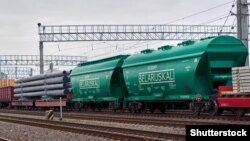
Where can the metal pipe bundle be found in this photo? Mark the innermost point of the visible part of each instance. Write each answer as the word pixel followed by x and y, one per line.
pixel 43 93
pixel 56 80
pixel 43 76
pixel 41 88
pixel 51 84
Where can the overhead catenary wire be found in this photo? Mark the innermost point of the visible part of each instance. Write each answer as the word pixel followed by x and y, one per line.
pixel 77 47
pixel 136 45
pixel 209 9
pixel 98 48
pixel 91 45
pixel 230 12
pixel 233 23
pixel 146 42
pixel 115 50
pixel 209 21
pixel 130 47
pixel 214 19
pixel 218 18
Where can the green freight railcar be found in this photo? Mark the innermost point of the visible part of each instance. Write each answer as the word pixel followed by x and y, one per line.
pixel 98 84
pixel 189 71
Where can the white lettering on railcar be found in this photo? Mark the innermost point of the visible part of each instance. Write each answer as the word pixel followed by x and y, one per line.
pixel 160 76
pixel 89 83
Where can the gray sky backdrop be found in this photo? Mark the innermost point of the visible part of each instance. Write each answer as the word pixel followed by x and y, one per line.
pixel 19 18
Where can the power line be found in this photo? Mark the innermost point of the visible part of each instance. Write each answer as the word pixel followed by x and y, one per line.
pixel 90 45
pixel 124 49
pixel 227 16
pixel 72 48
pixel 233 23
pixel 206 22
pixel 121 49
pixel 217 18
pixel 214 19
pixel 199 12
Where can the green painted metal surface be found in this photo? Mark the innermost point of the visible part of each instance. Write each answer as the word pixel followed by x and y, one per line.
pixel 99 80
pixel 182 72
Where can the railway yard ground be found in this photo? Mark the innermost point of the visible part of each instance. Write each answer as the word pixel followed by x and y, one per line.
pixel 25 125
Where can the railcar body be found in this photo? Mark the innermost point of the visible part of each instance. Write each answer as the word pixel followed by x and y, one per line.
pixel 190 71
pixel 6 96
pixel 98 84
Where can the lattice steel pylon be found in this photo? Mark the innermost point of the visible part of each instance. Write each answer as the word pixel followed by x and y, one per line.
pixel 15 72
pixel 68 33
pixel 72 33
pixel 27 60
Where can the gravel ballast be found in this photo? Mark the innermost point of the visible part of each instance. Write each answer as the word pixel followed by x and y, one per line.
pixel 16 132
pixel 173 130
pixel 29 133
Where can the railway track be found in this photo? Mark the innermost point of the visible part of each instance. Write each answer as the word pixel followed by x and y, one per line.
pixel 171 114
pixel 166 122
pixel 228 116
pixel 168 114
pixel 94 130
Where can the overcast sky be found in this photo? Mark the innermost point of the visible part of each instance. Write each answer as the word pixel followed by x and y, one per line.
pixel 19 18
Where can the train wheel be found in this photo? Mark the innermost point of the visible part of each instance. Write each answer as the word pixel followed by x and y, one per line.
pixel 99 107
pixel 122 110
pixel 145 108
pixel 80 106
pixel 152 109
pixel 238 112
pixel 196 108
pixel 93 106
pixel 130 110
pixel 133 109
pixel 76 106
pixel 214 109
pixel 162 108
pixel 197 111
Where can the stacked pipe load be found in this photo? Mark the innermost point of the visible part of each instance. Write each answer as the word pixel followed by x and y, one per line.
pixel 50 85
pixel 241 79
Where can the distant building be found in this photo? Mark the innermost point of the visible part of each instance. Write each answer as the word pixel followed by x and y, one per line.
pixel 3 75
